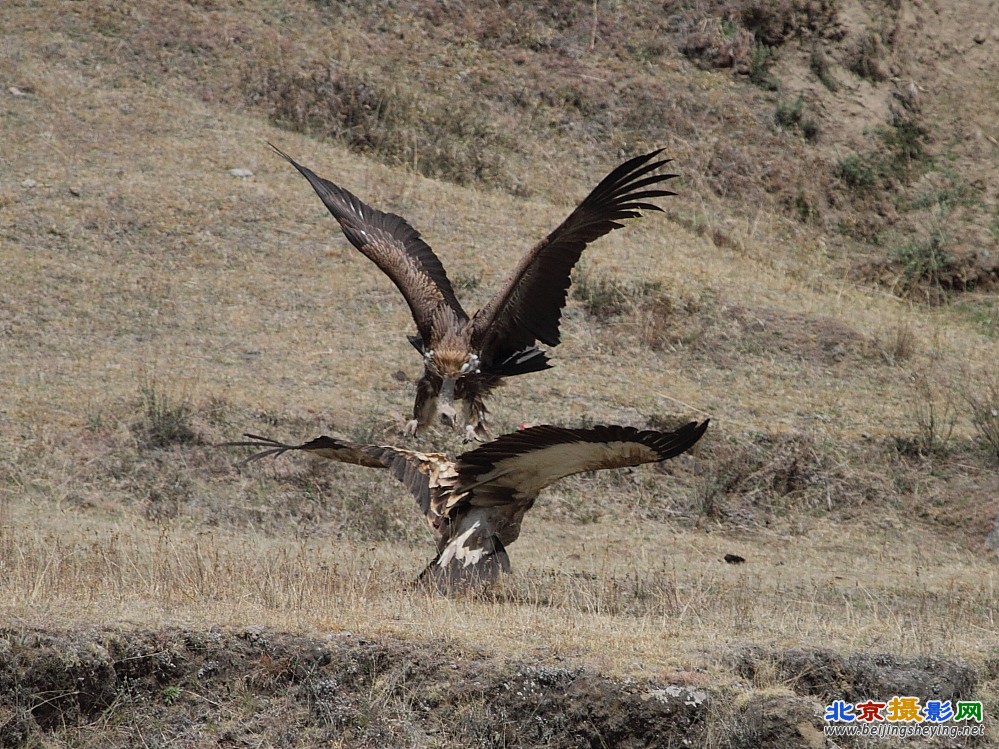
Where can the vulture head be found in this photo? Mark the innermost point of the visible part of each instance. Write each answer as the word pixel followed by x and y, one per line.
pixel 449 364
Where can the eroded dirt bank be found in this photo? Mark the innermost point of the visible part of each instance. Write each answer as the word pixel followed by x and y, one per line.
pixel 252 687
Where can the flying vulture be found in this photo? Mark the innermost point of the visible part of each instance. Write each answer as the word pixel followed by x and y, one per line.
pixel 464 358
pixel 474 505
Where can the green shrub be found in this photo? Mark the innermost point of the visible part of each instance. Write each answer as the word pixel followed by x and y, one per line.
pixel 759 68
pixel 819 65
pixel 858 172
pixel 790 115
pixel 923 262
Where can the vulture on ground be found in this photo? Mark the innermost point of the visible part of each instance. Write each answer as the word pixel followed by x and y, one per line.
pixel 475 505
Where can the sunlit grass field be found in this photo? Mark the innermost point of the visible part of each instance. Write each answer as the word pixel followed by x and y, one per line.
pixel 153 305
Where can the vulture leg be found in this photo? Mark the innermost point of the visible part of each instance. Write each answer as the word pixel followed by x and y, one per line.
pixel 424 407
pixel 473 409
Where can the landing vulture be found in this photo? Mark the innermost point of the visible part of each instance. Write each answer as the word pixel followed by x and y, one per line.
pixel 464 358
pixel 474 505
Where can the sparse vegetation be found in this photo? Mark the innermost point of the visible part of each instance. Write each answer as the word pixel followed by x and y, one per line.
pixel 759 68
pixel 906 142
pixel 859 173
pixel 324 99
pixel 899 345
pixel 165 420
pixel 604 298
pixel 903 155
pixel 923 265
pixel 790 115
pixel 983 400
pixel 818 62
pixel 935 414
pixel 866 57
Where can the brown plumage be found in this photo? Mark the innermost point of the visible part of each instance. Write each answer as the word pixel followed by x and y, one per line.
pixel 475 504
pixel 466 357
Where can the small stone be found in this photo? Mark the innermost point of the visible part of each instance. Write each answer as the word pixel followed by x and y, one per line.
pixel 240 172
pixel 75 191
pixel 15 91
pixel 992 540
pixel 29 183
pixel 980 37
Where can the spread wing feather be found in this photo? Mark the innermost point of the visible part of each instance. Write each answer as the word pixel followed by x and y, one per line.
pixel 412 469
pixel 528 307
pixel 324 447
pixel 393 245
pixel 533 458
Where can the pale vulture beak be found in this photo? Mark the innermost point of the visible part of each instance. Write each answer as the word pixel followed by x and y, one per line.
pixel 445 403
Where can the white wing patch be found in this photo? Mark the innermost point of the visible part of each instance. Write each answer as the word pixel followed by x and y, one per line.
pixel 457 548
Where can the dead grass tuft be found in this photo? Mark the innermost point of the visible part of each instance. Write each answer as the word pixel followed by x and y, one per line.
pixel 983 400
pixel 165 420
pixel 605 298
pixel 934 410
pixel 899 344
pixel 866 57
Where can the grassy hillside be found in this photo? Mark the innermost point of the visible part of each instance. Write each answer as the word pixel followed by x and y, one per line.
pixel 823 287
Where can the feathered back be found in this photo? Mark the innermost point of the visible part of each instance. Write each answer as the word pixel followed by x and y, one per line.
pixel 421 473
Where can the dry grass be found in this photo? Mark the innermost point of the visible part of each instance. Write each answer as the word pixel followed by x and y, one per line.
pixel 153 304
pixel 669 603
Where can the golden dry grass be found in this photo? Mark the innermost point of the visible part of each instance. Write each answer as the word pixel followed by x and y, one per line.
pixel 648 605
pixel 135 261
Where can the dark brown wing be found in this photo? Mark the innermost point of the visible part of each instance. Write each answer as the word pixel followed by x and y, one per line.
pixel 416 470
pixel 394 246
pixel 324 447
pixel 529 306
pixel 531 459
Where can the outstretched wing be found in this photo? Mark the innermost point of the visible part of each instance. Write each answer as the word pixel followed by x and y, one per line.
pixel 525 462
pixel 421 473
pixel 394 246
pixel 529 306
pixel 324 447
